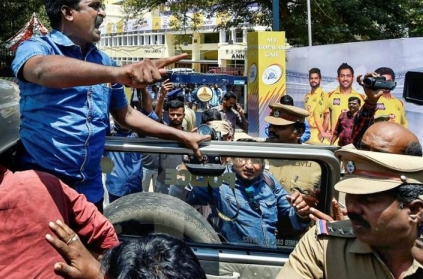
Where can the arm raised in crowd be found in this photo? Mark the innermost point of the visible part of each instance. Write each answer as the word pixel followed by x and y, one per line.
pixel 59 71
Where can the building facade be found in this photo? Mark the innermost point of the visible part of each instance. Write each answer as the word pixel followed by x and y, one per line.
pixel 154 36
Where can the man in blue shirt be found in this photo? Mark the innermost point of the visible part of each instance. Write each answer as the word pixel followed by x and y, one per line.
pixel 68 87
pixel 249 212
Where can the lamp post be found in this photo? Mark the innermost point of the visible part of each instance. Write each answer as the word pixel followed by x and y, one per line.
pixel 275 8
pixel 310 43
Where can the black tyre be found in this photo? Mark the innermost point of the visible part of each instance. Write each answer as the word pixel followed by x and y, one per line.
pixel 141 213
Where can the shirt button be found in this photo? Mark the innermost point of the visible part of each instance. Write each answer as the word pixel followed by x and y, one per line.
pixel 89 118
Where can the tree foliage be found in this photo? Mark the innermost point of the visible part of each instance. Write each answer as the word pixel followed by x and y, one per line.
pixel 14 14
pixel 332 21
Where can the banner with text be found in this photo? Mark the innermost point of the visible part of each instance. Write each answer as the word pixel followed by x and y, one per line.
pixel 266 76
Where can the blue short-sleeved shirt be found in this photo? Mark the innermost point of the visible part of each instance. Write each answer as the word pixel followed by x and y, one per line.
pixel 63 129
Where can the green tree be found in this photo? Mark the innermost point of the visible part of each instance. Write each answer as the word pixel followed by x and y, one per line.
pixel 332 21
pixel 14 14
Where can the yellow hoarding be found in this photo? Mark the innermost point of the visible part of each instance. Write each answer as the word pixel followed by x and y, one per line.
pixel 119 26
pixel 157 23
pixel 266 71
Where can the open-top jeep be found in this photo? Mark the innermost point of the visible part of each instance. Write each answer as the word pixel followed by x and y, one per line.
pixel 145 212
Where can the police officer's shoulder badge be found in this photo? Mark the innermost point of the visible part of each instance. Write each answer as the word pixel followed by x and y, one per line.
pixel 337 229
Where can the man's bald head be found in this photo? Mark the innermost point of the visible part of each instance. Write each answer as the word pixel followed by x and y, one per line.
pixel 389 137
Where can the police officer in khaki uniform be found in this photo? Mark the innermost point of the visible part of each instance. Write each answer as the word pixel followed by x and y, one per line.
pixel 287 126
pixel 382 198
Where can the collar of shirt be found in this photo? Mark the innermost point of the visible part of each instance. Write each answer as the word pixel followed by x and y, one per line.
pixel 61 39
pixel 318 91
pixel 338 91
pixel 359 247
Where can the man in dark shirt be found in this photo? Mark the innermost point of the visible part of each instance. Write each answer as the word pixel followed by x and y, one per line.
pixel 345 123
pixel 233 112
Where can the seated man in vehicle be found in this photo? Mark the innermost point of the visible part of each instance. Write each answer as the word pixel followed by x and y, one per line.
pixel 250 203
pixel 287 126
pixel 28 201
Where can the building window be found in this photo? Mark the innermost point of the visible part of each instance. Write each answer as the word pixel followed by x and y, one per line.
pixel 239 36
pixel 211 38
pixel 228 36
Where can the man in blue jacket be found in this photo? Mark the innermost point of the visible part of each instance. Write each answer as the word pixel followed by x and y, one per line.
pixel 249 209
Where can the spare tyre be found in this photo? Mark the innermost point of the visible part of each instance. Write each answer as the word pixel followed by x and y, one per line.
pixel 142 213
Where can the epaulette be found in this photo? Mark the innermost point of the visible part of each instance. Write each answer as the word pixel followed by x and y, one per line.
pixel 338 229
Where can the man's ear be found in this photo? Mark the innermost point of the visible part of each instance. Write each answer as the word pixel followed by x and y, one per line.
pixel 416 211
pixel 298 132
pixel 67 12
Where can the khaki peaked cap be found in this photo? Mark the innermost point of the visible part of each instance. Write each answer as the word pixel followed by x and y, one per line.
pixel 222 126
pixel 282 115
pixel 368 172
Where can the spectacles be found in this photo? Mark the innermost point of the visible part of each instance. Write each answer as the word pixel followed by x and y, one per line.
pixel 252 161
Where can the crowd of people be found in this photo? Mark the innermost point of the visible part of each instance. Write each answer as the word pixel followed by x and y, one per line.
pixel 71 92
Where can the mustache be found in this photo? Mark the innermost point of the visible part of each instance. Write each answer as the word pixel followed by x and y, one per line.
pixel 357 218
pixel 99 20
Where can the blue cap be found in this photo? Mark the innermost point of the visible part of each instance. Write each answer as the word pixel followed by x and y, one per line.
pixel 174 93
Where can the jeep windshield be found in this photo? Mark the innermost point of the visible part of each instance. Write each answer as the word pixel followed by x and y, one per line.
pixel 235 200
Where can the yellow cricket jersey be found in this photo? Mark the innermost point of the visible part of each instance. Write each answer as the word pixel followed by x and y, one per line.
pixel 316 102
pixel 338 103
pixel 392 107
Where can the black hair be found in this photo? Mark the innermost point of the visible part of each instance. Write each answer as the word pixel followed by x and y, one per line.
pixel 385 71
pixel 229 95
pixel 299 125
pixel 54 12
pixel 414 149
pixel 286 100
pixel 210 115
pixel 406 193
pixel 175 104
pixel 314 71
pixel 343 67
pixel 180 97
pixel 351 99
pixel 247 140
pixel 152 256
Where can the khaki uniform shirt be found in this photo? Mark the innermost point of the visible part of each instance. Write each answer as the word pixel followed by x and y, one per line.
pixel 334 254
pixel 295 175
pixel 189 120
